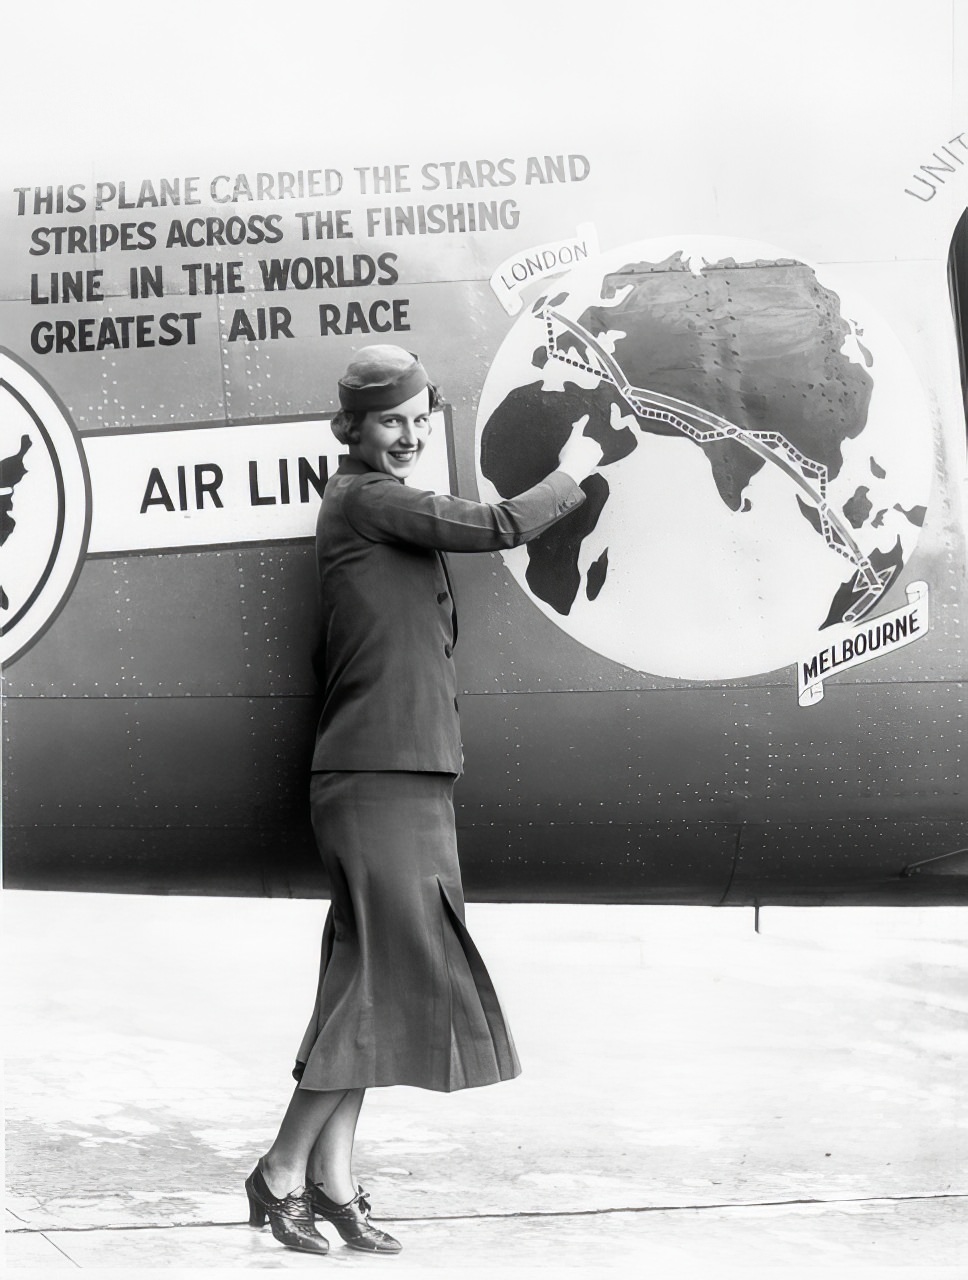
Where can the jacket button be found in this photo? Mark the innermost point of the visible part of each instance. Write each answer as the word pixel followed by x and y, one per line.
pixel 448 650
pixel 441 597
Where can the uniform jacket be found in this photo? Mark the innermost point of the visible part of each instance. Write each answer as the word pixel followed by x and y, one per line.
pixel 388 625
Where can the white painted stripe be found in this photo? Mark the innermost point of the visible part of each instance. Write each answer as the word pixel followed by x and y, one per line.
pixel 157 489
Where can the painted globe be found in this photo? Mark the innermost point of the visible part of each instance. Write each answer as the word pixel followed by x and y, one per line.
pixel 767 454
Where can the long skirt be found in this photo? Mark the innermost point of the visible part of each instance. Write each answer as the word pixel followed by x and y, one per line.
pixel 404 997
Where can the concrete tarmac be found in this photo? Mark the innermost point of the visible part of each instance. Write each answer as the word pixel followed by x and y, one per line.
pixel 697 1098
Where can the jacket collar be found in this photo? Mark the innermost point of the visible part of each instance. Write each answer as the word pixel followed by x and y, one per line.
pixel 352 466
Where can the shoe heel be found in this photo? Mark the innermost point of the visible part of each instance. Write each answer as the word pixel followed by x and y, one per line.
pixel 257 1212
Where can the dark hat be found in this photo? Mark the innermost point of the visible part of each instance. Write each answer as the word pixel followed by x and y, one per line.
pixel 380 377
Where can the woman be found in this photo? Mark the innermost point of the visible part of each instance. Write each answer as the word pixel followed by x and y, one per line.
pixel 404 997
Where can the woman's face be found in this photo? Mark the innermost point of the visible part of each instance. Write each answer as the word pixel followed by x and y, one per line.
pixel 392 440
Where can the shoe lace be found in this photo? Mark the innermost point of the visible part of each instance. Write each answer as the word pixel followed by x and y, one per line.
pixel 295 1208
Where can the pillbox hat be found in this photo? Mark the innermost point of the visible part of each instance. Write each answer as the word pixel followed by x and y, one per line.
pixel 380 377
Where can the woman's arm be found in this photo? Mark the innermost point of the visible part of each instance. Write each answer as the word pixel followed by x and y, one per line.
pixel 384 510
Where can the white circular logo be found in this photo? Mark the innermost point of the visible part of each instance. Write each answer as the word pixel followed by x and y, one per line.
pixel 45 507
pixel 768 454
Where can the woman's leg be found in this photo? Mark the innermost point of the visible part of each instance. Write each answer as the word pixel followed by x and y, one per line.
pixel 332 1191
pixel 309 1112
pixel 330 1163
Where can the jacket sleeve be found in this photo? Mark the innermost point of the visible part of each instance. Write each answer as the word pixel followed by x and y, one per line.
pixel 384 510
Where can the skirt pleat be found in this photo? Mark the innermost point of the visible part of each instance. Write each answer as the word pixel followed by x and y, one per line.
pixel 403 995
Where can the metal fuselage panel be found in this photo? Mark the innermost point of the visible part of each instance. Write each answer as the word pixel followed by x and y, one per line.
pixel 737 676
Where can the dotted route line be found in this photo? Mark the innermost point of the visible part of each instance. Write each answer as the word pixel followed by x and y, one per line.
pixel 767 444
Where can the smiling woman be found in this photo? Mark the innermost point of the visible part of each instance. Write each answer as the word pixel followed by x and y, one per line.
pixel 387 437
pixel 403 995
pixel 392 440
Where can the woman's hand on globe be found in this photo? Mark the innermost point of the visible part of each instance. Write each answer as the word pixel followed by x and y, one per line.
pixel 580 455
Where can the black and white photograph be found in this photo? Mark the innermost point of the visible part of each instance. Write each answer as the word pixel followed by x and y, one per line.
pixel 483 589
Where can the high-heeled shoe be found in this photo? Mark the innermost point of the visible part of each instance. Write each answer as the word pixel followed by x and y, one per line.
pixel 290 1217
pixel 352 1220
